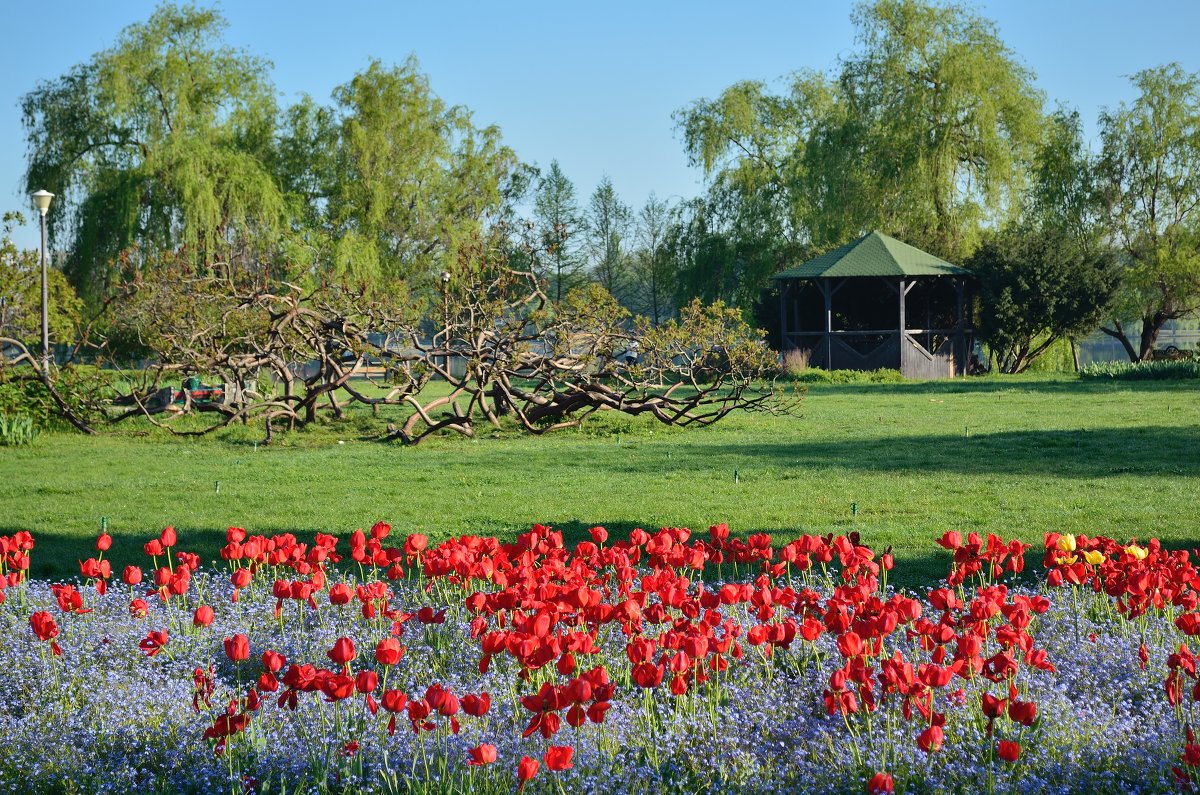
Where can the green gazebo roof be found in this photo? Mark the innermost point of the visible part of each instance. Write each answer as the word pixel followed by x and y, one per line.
pixel 875 254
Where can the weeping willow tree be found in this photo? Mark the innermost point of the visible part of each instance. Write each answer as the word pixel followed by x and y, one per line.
pixel 390 178
pixel 925 131
pixel 160 143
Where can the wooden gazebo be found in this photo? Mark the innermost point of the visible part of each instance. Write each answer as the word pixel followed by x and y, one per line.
pixel 877 302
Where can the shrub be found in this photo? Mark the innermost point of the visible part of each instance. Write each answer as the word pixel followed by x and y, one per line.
pixel 16 429
pixel 1161 370
pixel 815 375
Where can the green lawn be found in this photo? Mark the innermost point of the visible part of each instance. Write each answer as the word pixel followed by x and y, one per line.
pixel 1015 456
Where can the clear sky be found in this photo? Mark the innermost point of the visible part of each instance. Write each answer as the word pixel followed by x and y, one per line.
pixel 592 85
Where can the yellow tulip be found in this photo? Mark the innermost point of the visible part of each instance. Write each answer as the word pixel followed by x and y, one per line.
pixel 1093 557
pixel 1137 552
pixel 1066 542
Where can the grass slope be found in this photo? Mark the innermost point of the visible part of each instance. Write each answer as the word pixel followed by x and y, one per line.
pixel 1015 456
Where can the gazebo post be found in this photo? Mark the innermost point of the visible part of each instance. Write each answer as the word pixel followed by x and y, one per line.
pixel 783 313
pixel 960 341
pixel 826 289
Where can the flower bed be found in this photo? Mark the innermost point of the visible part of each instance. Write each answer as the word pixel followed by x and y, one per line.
pixel 665 662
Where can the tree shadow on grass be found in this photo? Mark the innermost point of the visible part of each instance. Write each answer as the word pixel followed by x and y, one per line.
pixel 957 386
pixel 1084 453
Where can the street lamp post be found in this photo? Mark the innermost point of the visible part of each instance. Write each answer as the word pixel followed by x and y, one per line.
pixel 446 320
pixel 41 200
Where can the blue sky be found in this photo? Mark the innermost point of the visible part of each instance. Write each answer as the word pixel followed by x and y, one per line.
pixel 592 85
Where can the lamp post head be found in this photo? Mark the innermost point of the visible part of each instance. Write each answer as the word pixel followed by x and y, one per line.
pixel 41 200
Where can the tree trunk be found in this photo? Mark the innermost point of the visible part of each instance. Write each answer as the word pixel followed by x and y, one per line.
pixel 1151 326
pixel 1118 333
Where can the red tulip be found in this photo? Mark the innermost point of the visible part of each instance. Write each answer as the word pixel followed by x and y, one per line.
pixel 850 644
pixel 240 578
pixel 341 594
pixel 154 548
pixel 388 651
pixel 526 769
pixel 415 545
pixel 599 535
pixel 1008 751
pixel 1023 712
pixel 139 608
pixel 476 706
pixel 103 542
pixel 203 616
pixel 273 661
pixel 931 739
pixel 559 757
pixel 380 530
pixel 482 754
pixel 880 784
pixel 43 625
pixel 342 652
pixel 366 681
pixel 337 687
pixel 237 648
pixel 167 537
pixel 132 576
pixel 395 701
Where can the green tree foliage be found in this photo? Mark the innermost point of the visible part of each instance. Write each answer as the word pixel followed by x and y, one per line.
pixel 560 226
pixel 651 268
pixel 414 176
pixel 160 142
pixel 925 132
pixel 21 295
pixel 1149 175
pixel 608 224
pixel 1037 287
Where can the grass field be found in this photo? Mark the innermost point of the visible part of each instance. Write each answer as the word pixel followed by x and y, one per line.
pixel 1015 456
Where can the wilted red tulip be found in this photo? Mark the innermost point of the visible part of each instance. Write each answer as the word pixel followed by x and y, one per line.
pixel 237 648
pixel 154 642
pixel 483 754
pixel 138 608
pixel 558 757
pixel 203 616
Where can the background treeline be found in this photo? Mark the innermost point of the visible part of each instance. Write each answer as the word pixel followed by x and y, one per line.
pixel 171 147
